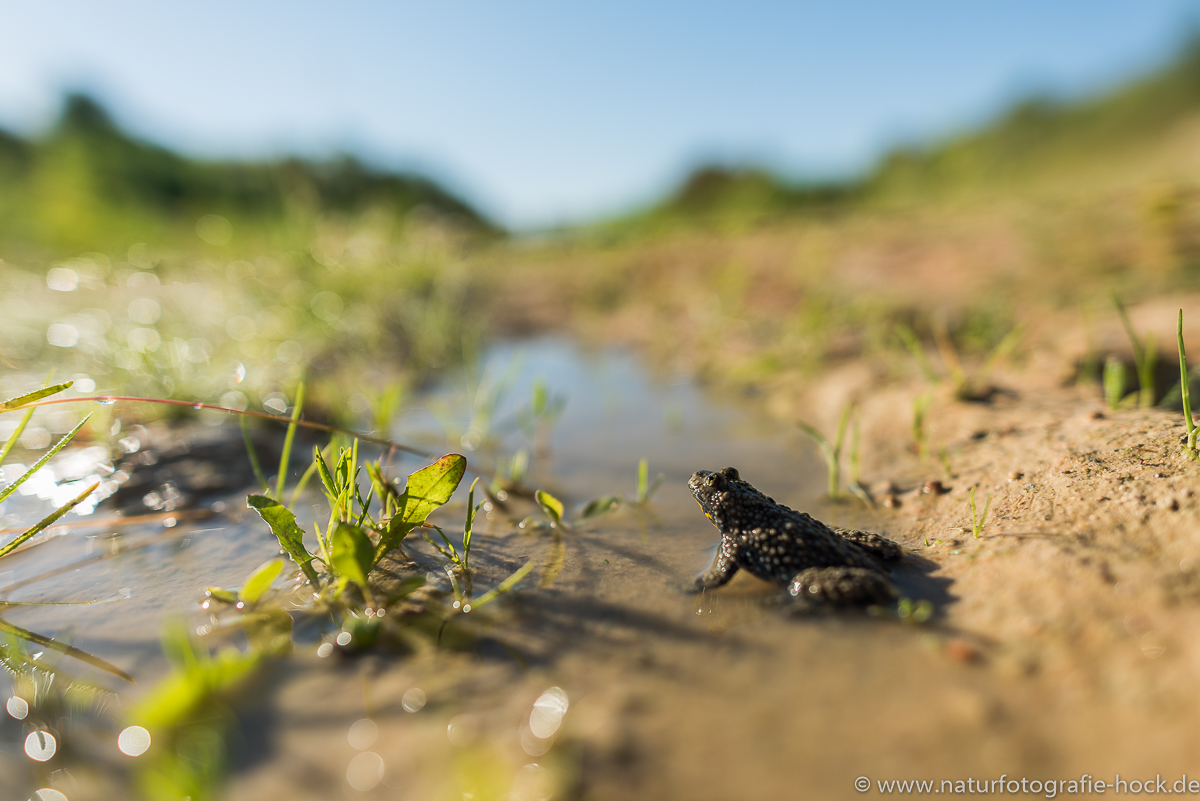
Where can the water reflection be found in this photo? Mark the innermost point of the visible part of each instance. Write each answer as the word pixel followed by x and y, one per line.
pixel 362 734
pixel 48 794
pixel 365 771
pixel 414 700
pixel 40 746
pixel 133 741
pixel 18 707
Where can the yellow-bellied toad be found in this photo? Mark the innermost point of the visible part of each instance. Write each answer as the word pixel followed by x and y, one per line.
pixel 818 563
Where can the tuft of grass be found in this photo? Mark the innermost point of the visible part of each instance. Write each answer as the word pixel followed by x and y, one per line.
pixel 1145 357
pixel 977 522
pixel 26 402
pixel 1185 391
pixel 968 386
pixel 832 451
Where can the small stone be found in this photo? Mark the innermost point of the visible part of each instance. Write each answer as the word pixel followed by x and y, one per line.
pixel 959 650
pixel 1015 475
pixel 933 487
pixel 1170 503
pixel 891 501
pixel 1095 415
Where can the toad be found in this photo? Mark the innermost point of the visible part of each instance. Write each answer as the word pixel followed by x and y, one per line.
pixel 817 563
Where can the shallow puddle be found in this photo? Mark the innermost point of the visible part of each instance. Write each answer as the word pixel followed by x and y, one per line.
pixel 599 678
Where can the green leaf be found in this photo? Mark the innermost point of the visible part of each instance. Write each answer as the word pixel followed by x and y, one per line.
pixel 599 506
pixel 187 690
pixel 351 553
pixel 221 594
pixel 260 580
pixel 283 525
pixel 42 462
pixel 427 489
pixel 47 520
pixel 17 402
pixel 326 476
pixel 552 506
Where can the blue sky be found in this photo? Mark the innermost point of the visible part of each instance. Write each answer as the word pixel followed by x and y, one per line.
pixel 542 111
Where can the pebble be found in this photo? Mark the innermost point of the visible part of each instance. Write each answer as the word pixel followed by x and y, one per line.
pixel 959 650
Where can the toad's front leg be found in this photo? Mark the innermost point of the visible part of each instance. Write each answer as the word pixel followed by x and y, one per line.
pixel 842 586
pixel 723 569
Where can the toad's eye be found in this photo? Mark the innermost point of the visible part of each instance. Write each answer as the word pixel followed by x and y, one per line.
pixel 715 480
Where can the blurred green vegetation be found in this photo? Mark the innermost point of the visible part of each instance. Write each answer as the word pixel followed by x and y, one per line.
pixel 87 185
pixel 147 272
pixel 1042 143
pixel 137 270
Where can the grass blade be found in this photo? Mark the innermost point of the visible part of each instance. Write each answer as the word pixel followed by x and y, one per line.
pixel 16 434
pixel 1185 391
pixel 253 454
pixel 42 462
pixel 47 521
pixel 286 457
pixel 469 526
pixel 16 403
pixel 63 648
pixel 913 344
pixel 830 454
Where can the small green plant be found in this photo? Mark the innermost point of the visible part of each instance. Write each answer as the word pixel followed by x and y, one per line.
pixel 856 486
pixel 1114 382
pixel 1185 390
pixel 945 459
pixel 919 411
pixel 1145 358
pixel 646 488
pixel 831 451
pixel 967 386
pixel 977 522
pixel 553 508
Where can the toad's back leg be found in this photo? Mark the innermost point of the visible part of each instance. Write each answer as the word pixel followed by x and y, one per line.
pixel 877 546
pixel 842 586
